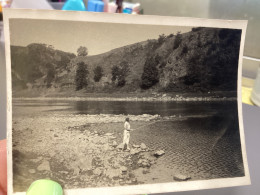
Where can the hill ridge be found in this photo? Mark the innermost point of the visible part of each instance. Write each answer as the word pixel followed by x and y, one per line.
pixel 202 60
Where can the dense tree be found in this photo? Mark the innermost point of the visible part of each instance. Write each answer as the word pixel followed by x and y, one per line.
pixel 81 76
pixel 214 66
pixel 119 73
pixel 98 73
pixel 115 73
pixel 50 76
pixel 170 35
pixel 123 73
pixel 161 38
pixel 177 41
pixel 82 51
pixel 225 57
pixel 150 74
pixel 184 50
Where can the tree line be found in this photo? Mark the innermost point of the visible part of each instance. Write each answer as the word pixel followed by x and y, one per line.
pixel 150 75
pixel 209 55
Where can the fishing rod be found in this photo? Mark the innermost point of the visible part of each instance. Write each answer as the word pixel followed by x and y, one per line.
pixel 147 124
pixel 152 123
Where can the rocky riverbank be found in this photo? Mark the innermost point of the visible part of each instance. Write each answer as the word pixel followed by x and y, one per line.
pixel 84 151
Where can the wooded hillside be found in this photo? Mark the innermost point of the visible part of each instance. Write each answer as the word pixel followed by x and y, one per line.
pixel 205 59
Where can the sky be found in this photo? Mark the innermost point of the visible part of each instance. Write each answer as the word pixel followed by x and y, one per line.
pixel 98 37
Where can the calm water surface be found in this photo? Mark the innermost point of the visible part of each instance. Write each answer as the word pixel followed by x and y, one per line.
pixel 27 107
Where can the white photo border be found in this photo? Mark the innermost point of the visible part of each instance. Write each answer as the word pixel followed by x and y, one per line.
pixel 128 19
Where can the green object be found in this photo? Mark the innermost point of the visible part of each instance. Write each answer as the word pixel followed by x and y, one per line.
pixel 44 187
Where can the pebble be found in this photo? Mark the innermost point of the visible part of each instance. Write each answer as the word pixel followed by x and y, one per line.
pixel 76 171
pixel 145 171
pixel 135 151
pixel 134 180
pixel 143 163
pixel 114 144
pixel 120 146
pixel 44 166
pixel 97 171
pixel 36 160
pixel 128 182
pixel 180 177
pixel 143 146
pixel 123 169
pixel 32 171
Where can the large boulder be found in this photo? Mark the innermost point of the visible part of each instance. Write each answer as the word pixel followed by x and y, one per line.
pixel 135 151
pixel 143 146
pixel 159 153
pixel 114 144
pixel 143 163
pixel 120 146
pixel 136 146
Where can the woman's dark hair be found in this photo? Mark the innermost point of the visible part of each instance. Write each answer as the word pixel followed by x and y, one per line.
pixel 127 119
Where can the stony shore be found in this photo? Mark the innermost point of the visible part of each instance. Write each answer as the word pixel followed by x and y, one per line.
pixel 80 150
pixel 83 151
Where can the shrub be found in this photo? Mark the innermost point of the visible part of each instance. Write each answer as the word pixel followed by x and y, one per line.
pixel 150 74
pixel 177 41
pixel 161 39
pixel 170 35
pixel 98 73
pixel 50 76
pixel 119 74
pixel 196 29
pixel 81 76
pixel 115 73
pixel 82 51
pixel 184 50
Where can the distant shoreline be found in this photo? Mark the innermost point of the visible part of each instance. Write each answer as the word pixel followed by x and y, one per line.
pixel 132 99
pixel 129 97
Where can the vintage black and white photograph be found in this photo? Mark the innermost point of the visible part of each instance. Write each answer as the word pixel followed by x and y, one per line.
pixel 107 104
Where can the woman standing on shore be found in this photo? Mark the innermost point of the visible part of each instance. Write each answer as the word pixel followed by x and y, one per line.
pixel 126 138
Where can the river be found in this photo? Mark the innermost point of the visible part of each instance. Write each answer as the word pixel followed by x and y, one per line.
pixel 42 107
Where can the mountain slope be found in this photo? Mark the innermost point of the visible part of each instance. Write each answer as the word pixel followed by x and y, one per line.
pixel 204 59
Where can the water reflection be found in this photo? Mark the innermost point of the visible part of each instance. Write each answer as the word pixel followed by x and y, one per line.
pixel 125 108
pixel 161 108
